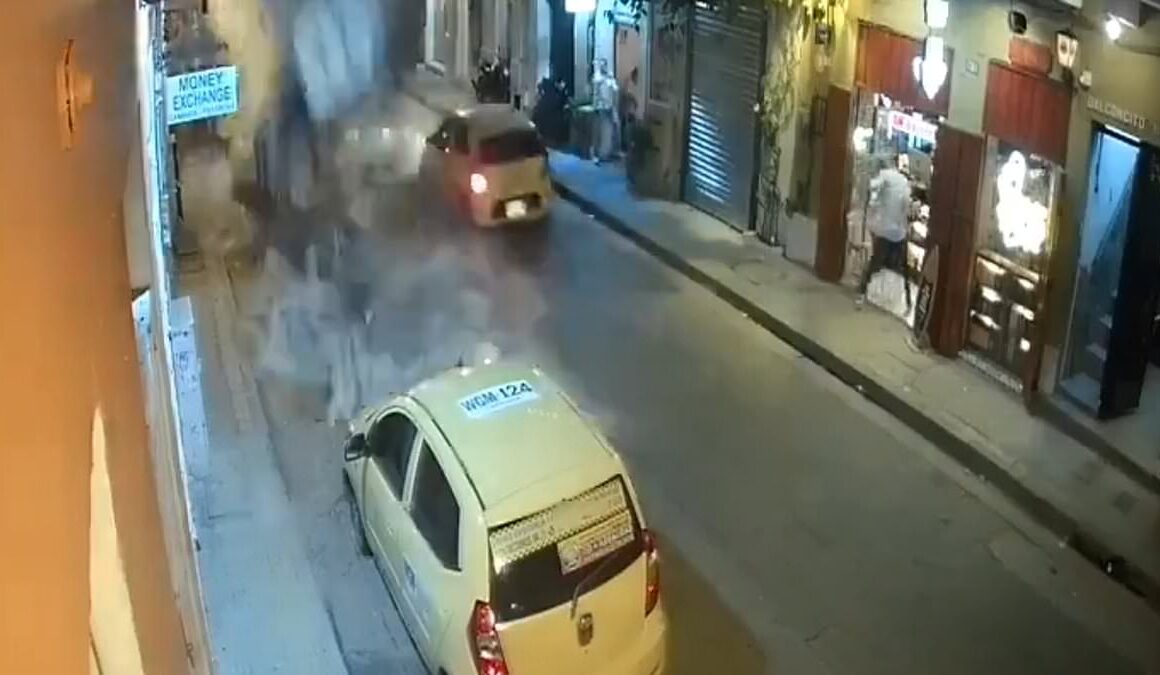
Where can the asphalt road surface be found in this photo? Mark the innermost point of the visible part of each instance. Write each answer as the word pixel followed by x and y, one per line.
pixel 803 530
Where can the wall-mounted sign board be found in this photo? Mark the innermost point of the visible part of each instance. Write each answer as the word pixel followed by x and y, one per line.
pixel 201 94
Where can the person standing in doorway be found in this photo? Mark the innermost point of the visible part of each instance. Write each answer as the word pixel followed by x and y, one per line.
pixel 605 95
pixel 889 223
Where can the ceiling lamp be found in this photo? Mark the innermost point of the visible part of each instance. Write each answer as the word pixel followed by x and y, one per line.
pixel 1114 27
pixel 578 6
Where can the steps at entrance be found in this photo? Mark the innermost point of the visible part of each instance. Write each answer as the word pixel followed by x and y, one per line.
pixel 1083 391
pixel 1094 358
pixel 1104 330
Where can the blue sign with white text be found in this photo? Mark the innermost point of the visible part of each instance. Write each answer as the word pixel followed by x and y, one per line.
pixel 201 94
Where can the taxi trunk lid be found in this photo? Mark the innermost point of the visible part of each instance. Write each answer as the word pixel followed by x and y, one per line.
pixel 607 623
pixel 568 583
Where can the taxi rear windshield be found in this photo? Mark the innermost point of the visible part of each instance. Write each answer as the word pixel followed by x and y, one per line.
pixel 511 146
pixel 538 561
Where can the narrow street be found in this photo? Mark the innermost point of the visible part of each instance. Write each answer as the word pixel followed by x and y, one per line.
pixel 803 530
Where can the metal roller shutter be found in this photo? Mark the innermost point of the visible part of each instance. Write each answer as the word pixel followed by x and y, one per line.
pixel 728 59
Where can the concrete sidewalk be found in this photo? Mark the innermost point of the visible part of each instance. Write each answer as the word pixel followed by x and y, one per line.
pixel 264 609
pixel 1091 504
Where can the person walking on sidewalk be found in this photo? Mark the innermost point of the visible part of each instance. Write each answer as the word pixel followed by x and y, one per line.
pixel 605 97
pixel 889 214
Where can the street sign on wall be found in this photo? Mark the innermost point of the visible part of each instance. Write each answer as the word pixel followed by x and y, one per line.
pixel 201 94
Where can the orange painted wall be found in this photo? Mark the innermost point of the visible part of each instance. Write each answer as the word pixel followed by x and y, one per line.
pixel 67 346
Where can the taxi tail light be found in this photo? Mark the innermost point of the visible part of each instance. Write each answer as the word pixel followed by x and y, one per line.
pixel 478 183
pixel 484 640
pixel 652 578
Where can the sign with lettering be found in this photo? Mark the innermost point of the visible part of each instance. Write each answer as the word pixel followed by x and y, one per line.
pixel 485 402
pixel 1132 121
pixel 913 125
pixel 201 94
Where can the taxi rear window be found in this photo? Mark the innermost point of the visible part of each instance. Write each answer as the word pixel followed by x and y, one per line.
pixel 511 146
pixel 537 561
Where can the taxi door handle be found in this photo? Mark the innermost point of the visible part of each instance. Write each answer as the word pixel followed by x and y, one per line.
pixel 409 574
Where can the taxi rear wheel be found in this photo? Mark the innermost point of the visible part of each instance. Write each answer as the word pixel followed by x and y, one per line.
pixel 356 521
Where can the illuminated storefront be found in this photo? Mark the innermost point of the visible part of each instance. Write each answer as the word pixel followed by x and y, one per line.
pixel 1026 120
pixel 1016 210
pixel 894 120
pixel 887 134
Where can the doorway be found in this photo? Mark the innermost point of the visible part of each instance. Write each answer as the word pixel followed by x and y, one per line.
pixel 562 46
pixel 1111 366
pixel 628 62
pixel 475 32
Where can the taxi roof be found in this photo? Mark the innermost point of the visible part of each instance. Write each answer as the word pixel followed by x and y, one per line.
pixel 507 446
pixel 489 119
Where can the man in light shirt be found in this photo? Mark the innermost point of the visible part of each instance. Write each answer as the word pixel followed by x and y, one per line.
pixel 889 221
pixel 605 95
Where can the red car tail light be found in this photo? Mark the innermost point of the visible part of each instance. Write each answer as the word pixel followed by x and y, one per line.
pixel 484 640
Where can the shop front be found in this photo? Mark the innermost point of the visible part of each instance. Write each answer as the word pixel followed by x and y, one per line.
pixel 1112 360
pixel 1102 371
pixel 889 136
pixel 894 128
pixel 1025 120
pixel 722 135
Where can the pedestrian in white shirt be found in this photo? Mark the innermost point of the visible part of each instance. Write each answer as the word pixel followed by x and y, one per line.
pixel 889 216
pixel 605 95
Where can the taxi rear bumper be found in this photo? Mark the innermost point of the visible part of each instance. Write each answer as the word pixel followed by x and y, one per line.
pixel 489 210
pixel 647 656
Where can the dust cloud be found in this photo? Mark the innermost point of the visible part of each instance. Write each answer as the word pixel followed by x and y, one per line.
pixel 353 280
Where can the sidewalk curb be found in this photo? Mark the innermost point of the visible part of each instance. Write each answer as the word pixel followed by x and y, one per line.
pixel 1042 510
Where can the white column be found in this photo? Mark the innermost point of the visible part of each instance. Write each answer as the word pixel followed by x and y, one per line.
pixel 430 35
pixel 462 40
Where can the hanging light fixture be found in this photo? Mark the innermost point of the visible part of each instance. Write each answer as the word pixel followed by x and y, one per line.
pixel 1066 48
pixel 938 12
pixel 930 69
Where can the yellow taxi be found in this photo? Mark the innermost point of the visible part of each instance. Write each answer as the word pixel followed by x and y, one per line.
pixel 489 162
pixel 506 529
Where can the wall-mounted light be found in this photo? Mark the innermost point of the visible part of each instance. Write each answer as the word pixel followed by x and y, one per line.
pixel 1120 15
pixel 1114 27
pixel 1066 48
pixel 578 6
pixel 938 12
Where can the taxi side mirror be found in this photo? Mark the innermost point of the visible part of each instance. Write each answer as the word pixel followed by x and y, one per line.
pixel 355 448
